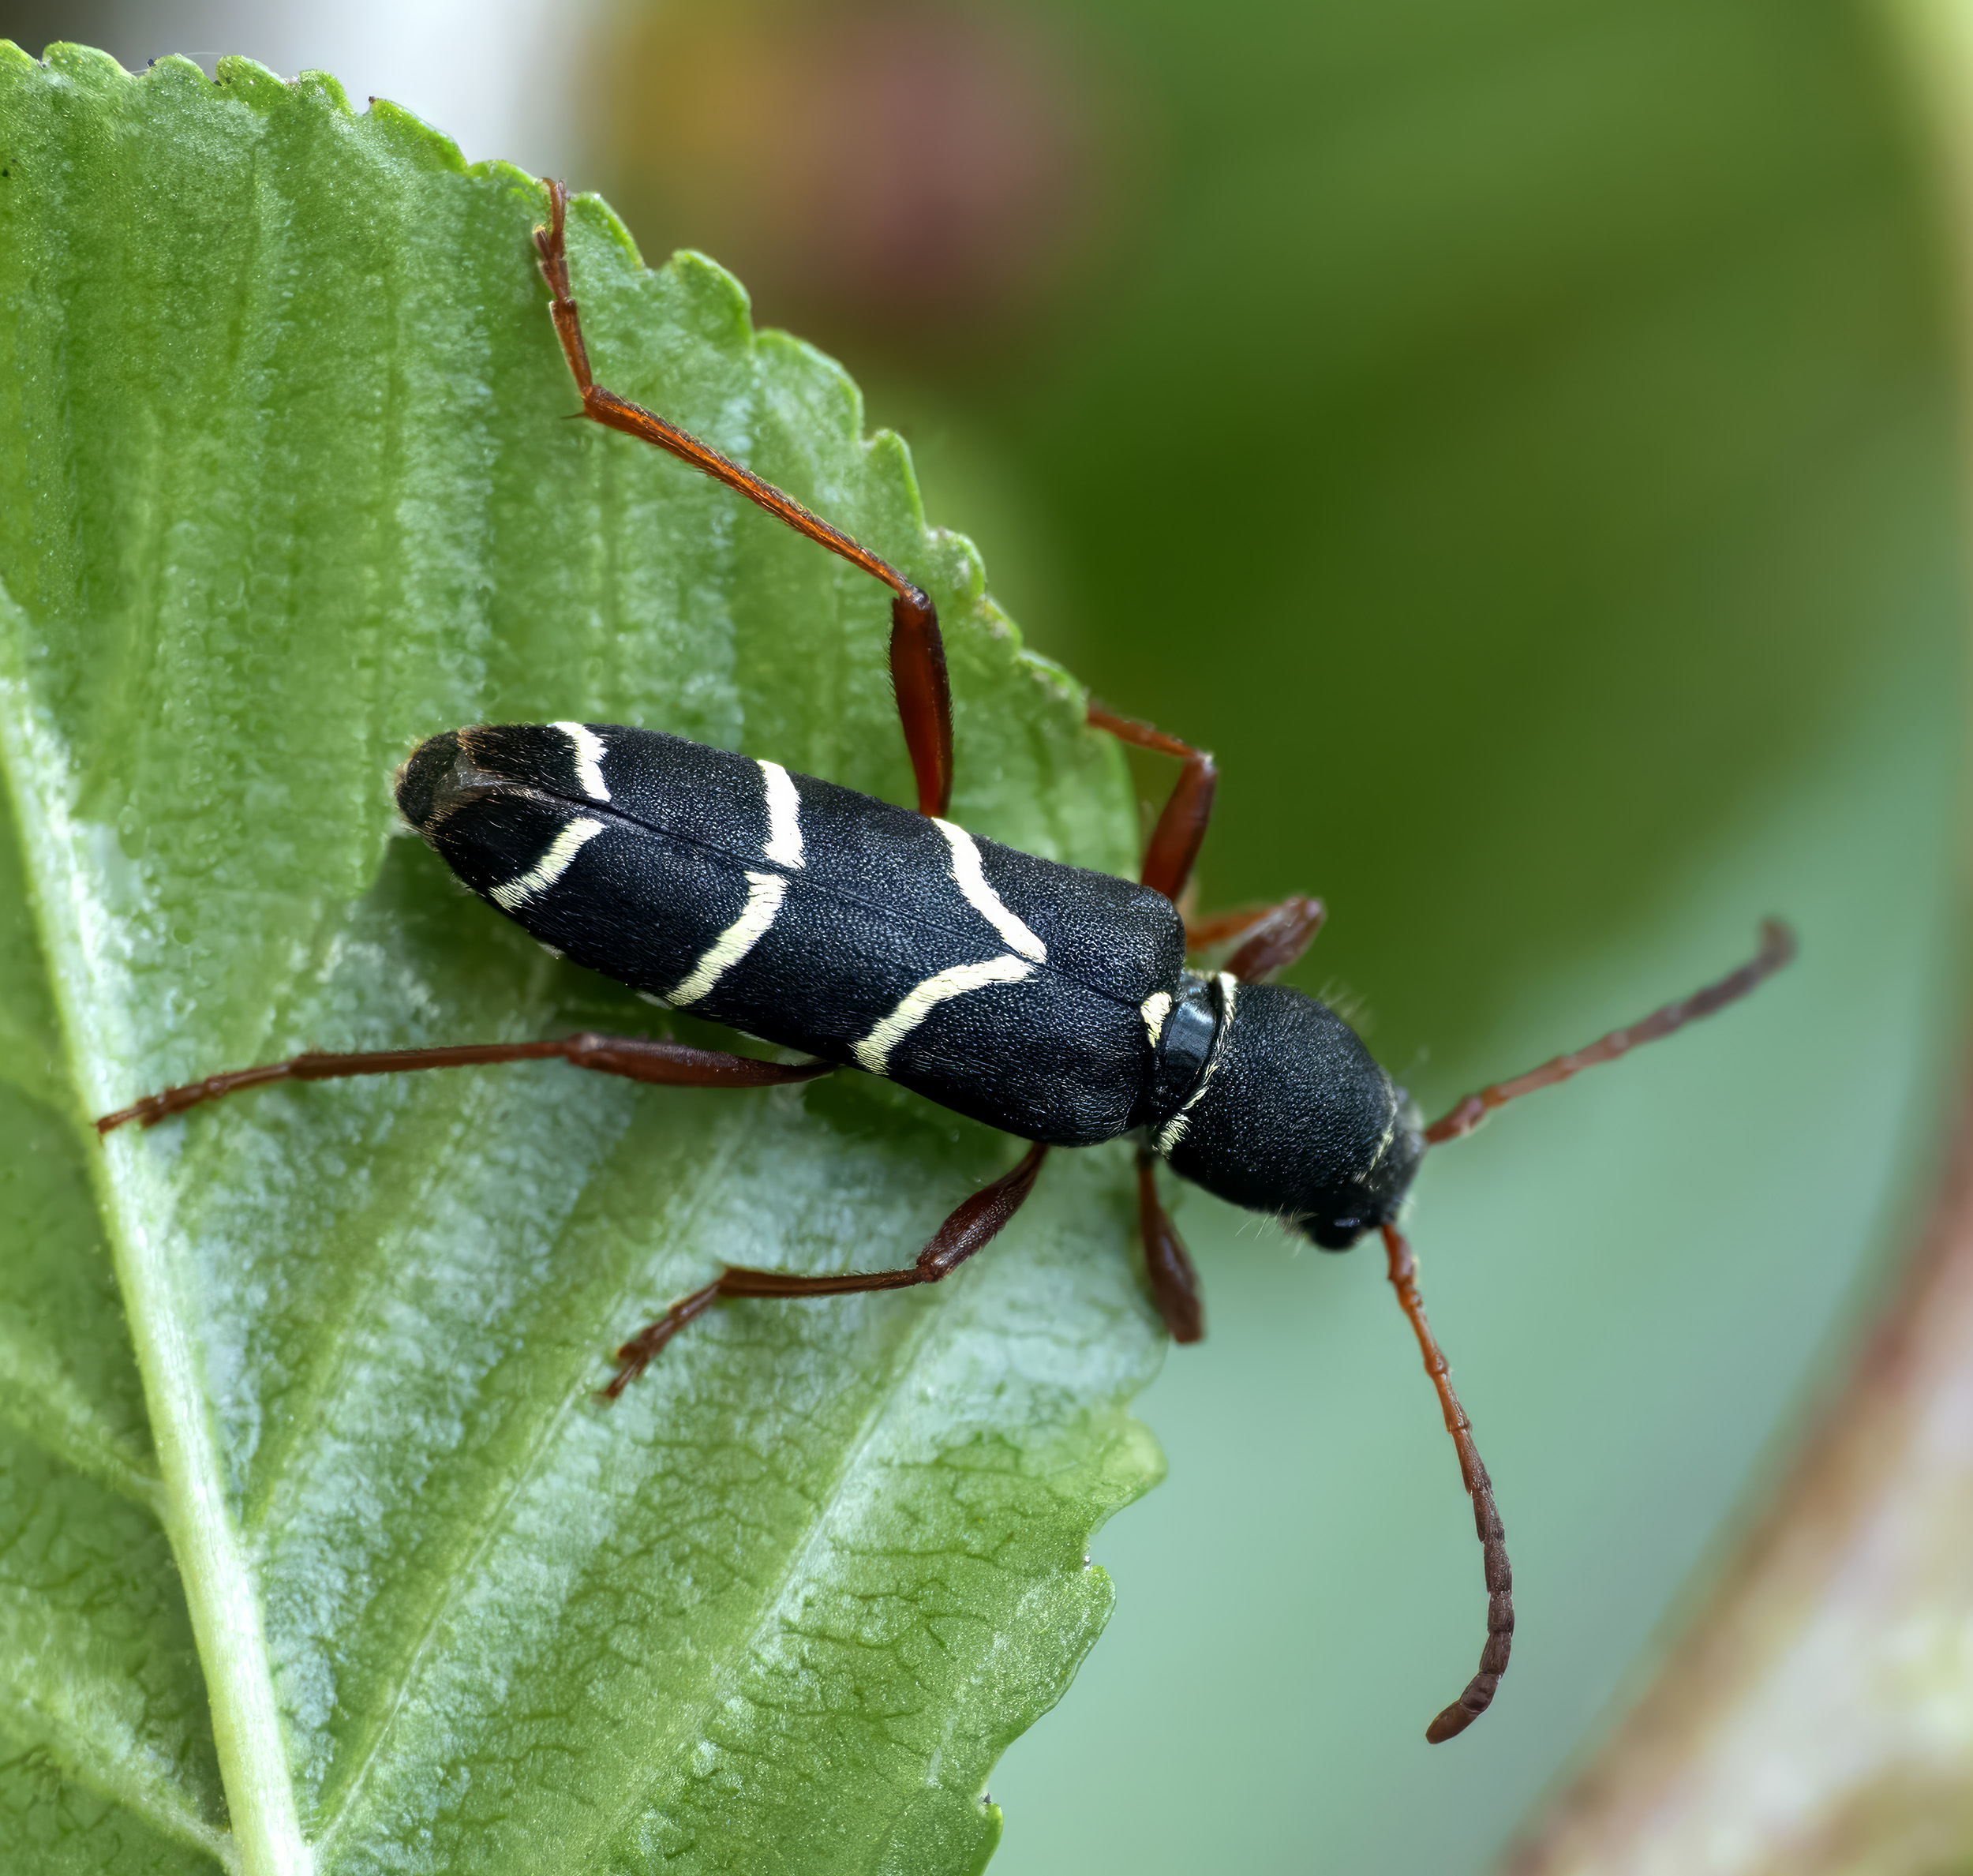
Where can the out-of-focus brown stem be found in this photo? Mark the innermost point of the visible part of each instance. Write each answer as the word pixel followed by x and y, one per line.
pixel 1817 1719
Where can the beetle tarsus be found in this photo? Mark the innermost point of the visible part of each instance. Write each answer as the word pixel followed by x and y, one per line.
pixel 641 1349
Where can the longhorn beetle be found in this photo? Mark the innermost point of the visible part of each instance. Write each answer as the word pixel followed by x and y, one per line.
pixel 1048 1001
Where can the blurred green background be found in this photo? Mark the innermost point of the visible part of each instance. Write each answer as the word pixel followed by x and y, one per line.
pixel 1522 440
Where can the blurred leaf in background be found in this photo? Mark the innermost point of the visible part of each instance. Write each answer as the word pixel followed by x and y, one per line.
pixel 315 1549
pixel 945 177
pixel 1520 441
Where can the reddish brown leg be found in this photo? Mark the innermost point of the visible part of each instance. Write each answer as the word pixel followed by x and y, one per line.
pixel 672 1065
pixel 1486 1515
pixel 973 1224
pixel 1271 938
pixel 917 649
pixel 1175 841
pixel 1174 1284
pixel 1777 947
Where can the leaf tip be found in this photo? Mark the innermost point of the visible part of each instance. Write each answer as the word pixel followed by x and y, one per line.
pixel 726 311
pixel 82 63
pixel 250 81
pixel 406 135
pixel 996 1823
pixel 588 210
pixel 173 67
pixel 323 88
pixel 496 168
pixel 963 567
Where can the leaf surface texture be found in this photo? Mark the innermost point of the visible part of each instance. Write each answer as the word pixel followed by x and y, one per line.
pixel 316 1549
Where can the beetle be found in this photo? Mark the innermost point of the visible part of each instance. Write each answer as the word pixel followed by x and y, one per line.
pixel 1048 1001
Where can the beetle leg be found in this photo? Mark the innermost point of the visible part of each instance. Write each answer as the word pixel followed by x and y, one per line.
pixel 917 648
pixel 1271 938
pixel 1175 841
pixel 1174 1284
pixel 638 1058
pixel 973 1226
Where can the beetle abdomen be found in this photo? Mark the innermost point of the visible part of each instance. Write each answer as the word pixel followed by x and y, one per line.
pixel 1005 987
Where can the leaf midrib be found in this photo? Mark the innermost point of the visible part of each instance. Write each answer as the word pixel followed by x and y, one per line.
pixel 220 1594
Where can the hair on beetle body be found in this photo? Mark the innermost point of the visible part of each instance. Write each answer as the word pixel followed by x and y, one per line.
pixel 1050 1001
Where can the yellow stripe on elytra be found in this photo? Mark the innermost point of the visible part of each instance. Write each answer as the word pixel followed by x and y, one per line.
pixel 589 750
pixel 550 867
pixel 971 877
pixel 784 817
pixel 764 892
pixel 873 1051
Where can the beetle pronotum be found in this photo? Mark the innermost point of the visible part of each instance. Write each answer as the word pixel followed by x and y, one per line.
pixel 1048 1001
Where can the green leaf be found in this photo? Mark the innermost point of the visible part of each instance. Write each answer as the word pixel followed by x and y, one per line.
pixel 314 1540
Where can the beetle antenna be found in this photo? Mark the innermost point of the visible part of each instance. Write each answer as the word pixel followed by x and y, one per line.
pixel 1777 947
pixel 1454 1719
